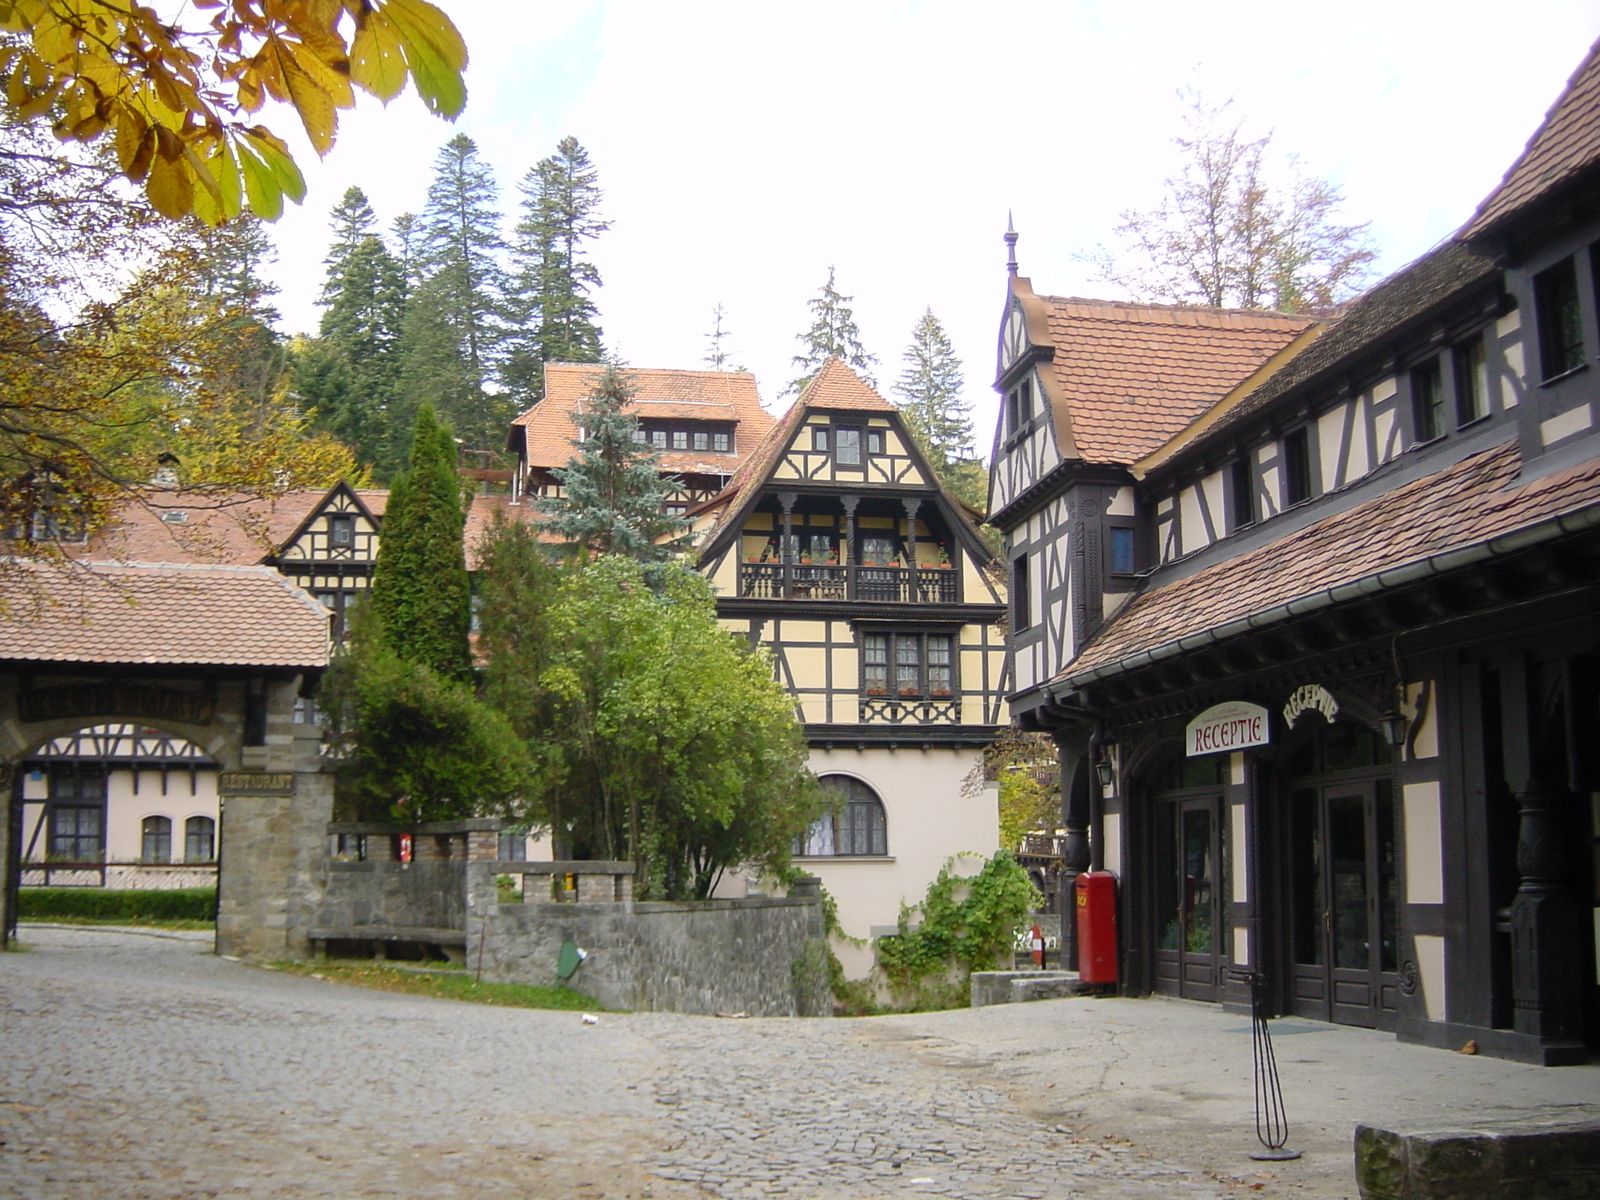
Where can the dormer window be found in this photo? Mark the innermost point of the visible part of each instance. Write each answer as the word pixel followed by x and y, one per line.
pixel 680 439
pixel 342 531
pixel 1019 407
pixel 874 441
pixel 819 437
pixel 847 446
pixel 1297 467
pixel 1560 320
pixel 1427 401
pixel 1242 481
pixel 1472 381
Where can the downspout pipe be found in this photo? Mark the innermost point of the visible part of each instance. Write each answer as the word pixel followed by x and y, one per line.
pixel 1367 585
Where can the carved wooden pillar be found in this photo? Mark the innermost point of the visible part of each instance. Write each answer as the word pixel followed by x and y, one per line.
pixel 847 544
pixel 911 507
pixel 1545 953
pixel 1075 770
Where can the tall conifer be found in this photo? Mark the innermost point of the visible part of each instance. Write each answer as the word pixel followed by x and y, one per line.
pixel 833 334
pixel 420 591
pixel 550 305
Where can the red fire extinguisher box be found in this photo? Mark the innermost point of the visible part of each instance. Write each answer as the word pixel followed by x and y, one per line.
pixel 1097 926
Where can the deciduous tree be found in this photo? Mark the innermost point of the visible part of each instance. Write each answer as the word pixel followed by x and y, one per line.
pixel 177 99
pixel 660 738
pixel 1230 234
pixel 833 334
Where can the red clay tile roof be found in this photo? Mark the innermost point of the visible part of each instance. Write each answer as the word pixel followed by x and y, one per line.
pixel 1566 143
pixel 159 615
pixel 837 386
pixel 236 530
pixel 1470 502
pixel 548 428
pixel 1133 375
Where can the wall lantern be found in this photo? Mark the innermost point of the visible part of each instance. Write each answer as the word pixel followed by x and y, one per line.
pixel 1393 725
pixel 1104 774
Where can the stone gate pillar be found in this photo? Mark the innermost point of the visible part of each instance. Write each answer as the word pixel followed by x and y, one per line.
pixel 272 857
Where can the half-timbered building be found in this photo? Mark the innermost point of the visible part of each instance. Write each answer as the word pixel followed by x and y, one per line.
pixel 703 424
pixel 1336 732
pixel 836 548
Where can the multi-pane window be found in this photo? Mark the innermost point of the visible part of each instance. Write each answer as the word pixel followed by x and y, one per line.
pixel 680 439
pixel 877 551
pixel 1560 320
pixel 341 604
pixel 199 840
pixel 658 439
pixel 1297 467
pixel 342 530
pixel 722 442
pixel 701 439
pixel 1242 480
pixel 155 840
pixel 911 666
pixel 847 446
pixel 77 816
pixel 858 829
pixel 1472 381
pixel 1427 401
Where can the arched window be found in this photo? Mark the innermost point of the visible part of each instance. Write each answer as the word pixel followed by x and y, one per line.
pixel 199 840
pixel 858 829
pixel 157 840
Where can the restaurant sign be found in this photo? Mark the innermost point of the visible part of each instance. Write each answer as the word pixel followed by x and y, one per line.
pixel 1231 726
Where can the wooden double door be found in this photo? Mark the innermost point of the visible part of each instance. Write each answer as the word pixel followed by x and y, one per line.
pixel 1343 892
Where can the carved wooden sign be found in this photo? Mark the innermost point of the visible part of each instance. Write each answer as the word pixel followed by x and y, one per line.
pixel 1311 696
pixel 133 700
pixel 1234 725
pixel 256 783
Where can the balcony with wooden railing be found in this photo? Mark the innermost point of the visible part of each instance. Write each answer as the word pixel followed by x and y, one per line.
pixel 829 581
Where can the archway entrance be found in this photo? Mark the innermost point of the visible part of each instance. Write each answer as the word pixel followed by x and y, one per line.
pixel 1343 877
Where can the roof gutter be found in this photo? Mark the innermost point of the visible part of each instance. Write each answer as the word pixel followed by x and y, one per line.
pixel 1367 585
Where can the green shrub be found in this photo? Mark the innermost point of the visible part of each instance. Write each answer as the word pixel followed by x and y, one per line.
pixel 175 904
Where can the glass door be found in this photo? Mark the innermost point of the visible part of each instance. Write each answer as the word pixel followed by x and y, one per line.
pixel 1344 902
pixel 1189 945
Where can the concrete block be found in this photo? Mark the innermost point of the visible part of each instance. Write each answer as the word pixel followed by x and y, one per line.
pixel 995 987
pixel 1555 1163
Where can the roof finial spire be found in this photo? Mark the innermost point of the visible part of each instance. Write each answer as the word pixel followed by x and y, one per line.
pixel 1011 245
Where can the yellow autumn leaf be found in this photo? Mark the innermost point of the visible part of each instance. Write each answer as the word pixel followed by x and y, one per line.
pixel 377 64
pixel 335 82
pixel 170 187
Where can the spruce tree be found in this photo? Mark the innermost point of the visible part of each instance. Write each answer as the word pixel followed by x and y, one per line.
pixel 833 334
pixel 550 306
pixel 930 387
pixel 614 488
pixel 420 592
pixel 717 357
pixel 364 295
pixel 460 228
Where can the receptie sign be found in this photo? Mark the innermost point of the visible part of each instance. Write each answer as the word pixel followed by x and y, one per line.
pixel 1231 726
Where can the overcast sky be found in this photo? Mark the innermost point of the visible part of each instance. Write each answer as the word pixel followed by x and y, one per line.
pixel 743 148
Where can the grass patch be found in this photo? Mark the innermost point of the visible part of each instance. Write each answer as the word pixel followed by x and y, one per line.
pixel 141 922
pixel 443 985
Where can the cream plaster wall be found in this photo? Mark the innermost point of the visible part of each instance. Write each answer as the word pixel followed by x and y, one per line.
pixel 928 820
pixel 1424 844
pixel 1121 503
pixel 1430 970
pixel 1423 736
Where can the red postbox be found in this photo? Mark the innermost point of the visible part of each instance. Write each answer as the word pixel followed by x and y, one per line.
pixel 1097 926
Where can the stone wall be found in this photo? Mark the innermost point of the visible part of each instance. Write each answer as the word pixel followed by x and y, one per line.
pixel 385 895
pixel 757 956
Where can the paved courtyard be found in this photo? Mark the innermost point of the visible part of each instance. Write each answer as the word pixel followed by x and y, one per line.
pixel 144 1068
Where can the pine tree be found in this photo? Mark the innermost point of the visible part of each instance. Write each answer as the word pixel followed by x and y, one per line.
pixel 716 356
pixel 460 229
pixel 364 295
pixel 229 264
pixel 614 488
pixel 406 235
pixel 551 306
pixel 833 334
pixel 420 592
pixel 931 389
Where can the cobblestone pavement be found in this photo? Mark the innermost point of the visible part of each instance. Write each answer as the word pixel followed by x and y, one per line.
pixel 144 1068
